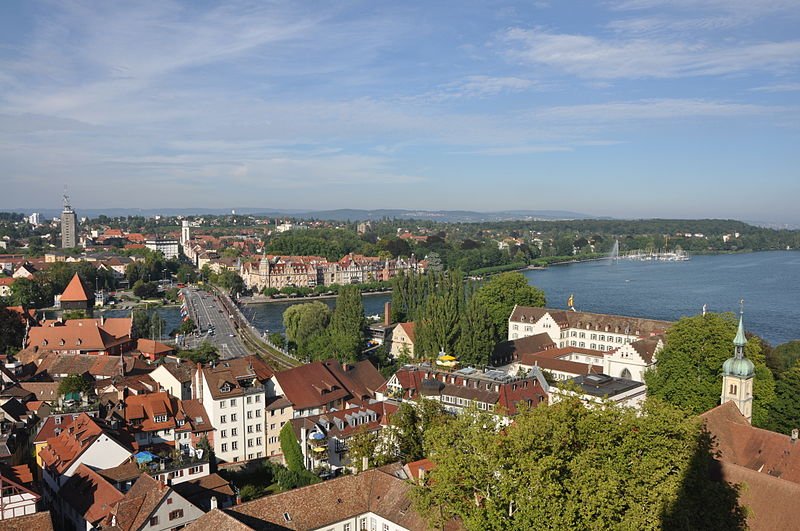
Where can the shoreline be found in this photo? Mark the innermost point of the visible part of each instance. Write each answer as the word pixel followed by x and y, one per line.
pixel 263 299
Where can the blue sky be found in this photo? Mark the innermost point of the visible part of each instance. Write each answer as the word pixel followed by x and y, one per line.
pixel 625 108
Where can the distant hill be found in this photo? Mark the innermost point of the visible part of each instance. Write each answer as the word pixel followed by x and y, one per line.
pixel 333 215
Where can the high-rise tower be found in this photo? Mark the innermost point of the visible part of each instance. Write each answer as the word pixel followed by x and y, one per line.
pixel 738 374
pixel 69 225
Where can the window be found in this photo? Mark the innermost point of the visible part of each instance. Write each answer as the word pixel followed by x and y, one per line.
pixel 233 417
pixel 258 427
pixel 153 521
pixel 385 527
pixel 258 398
pixel 249 443
pixel 223 419
pixel 272 426
pixel 223 434
pixel 234 445
pixel 733 389
pixel 234 432
pixel 249 429
pixel 233 402
pixel 223 405
pixel 346 527
pixel 174 515
pixel 169 501
pixel 195 470
pixel 258 441
pixel 249 399
pixel 160 418
pixel 249 414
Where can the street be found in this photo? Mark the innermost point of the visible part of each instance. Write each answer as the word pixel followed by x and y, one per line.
pixel 206 311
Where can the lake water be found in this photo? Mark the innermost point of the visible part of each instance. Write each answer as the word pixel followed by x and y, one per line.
pixel 768 282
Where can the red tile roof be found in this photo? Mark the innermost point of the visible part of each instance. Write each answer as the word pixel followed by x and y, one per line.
pixel 89 494
pixel 62 450
pixel 75 291
pixel 38 521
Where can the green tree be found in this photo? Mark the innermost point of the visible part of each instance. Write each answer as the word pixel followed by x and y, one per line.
pixel 347 324
pixel 784 412
pixel 688 371
pixel 12 331
pixel 501 293
pixel 145 290
pixel 304 321
pixel 205 353
pixel 32 293
pixel 74 383
pixel 566 466
pixel 147 324
pixel 365 444
pixel 292 453
pixel 784 356
pixel 186 274
pixel 411 422
pixel 478 337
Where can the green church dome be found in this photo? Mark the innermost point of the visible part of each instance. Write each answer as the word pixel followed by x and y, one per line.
pixel 742 367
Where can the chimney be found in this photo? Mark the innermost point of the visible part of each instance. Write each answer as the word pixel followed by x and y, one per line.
pixel 364 463
pixel 421 473
pixel 387 313
pixel 213 502
pixel 795 433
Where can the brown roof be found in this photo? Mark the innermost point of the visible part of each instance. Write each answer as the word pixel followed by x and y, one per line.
pixel 49 427
pixel 38 521
pixel 409 329
pixel 85 335
pixel 148 346
pixel 617 324
pixel 127 471
pixel 135 508
pixel 508 351
pixel 47 391
pixel 234 370
pixel 311 385
pixel 75 291
pixel 362 379
pixel 741 444
pixel 771 503
pixel 218 521
pixel 646 348
pixel 89 494
pixel 329 502
pixel 64 448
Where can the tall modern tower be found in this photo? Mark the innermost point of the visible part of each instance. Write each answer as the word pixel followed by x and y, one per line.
pixel 69 225
pixel 737 376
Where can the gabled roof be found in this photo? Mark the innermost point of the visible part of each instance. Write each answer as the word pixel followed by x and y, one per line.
pixel 330 502
pixel 233 371
pixel 409 329
pixel 62 450
pixel 599 322
pixel 311 385
pixel 153 348
pixel 89 494
pixel 40 521
pixel 744 445
pixel 75 291
pixel 135 508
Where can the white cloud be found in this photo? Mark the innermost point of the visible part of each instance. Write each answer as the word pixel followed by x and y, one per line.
pixel 656 109
pixel 596 58
pixel 779 87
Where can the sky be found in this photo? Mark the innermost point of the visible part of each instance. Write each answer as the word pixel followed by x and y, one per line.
pixel 623 108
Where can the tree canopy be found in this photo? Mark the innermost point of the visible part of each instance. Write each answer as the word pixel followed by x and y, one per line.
pixel 566 466
pixel 688 371
pixel 305 321
pixel 502 292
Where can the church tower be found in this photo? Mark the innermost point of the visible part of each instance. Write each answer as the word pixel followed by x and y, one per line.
pixel 738 374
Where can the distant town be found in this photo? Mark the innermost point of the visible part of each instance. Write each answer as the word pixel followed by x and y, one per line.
pixel 468 403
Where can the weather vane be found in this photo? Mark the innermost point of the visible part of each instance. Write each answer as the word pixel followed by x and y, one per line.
pixel 741 306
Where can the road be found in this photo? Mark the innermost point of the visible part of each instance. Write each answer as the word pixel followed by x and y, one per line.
pixel 206 310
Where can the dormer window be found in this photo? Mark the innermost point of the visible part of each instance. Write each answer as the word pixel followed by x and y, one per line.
pixel 160 418
pixel 226 388
pixel 181 422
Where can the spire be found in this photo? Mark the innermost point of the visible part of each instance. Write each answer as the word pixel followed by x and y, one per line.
pixel 740 340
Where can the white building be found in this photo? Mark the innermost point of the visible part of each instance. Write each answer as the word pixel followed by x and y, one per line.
pixel 594 331
pixel 594 389
pixel 234 393
pixel 169 248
